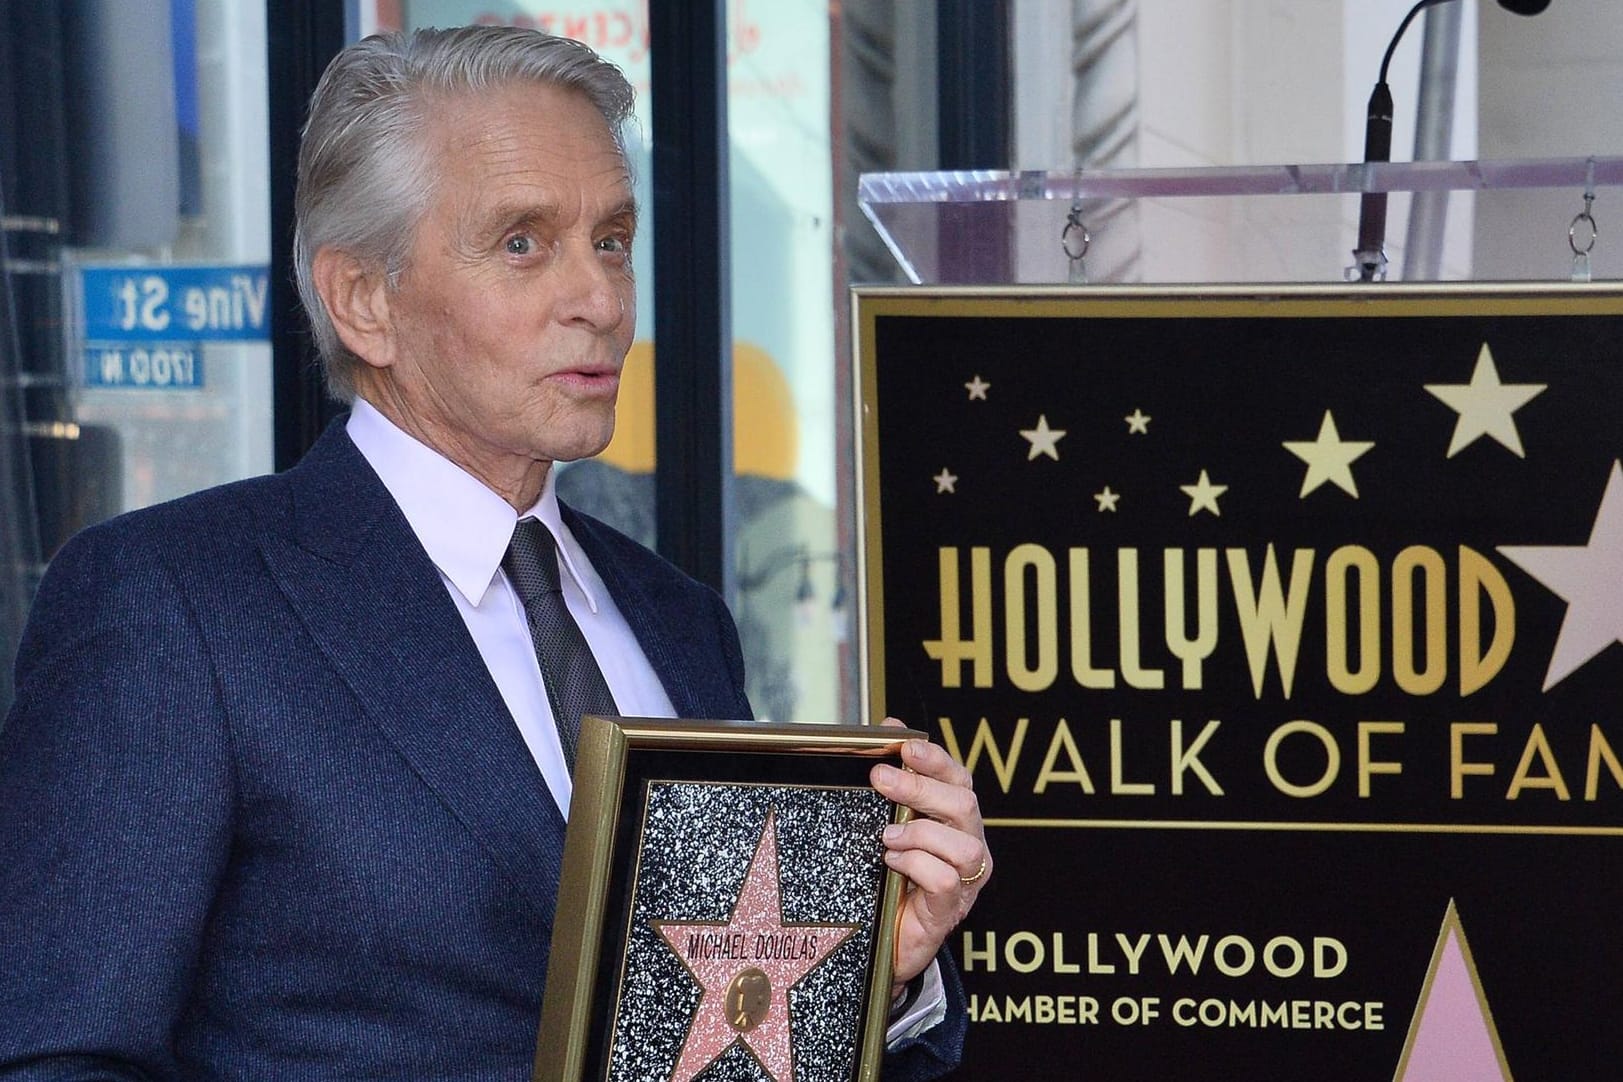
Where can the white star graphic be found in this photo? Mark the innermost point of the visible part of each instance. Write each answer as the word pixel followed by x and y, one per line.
pixel 945 481
pixel 1328 458
pixel 1107 499
pixel 978 388
pixel 1138 422
pixel 1485 406
pixel 1203 495
pixel 1043 439
pixel 1589 578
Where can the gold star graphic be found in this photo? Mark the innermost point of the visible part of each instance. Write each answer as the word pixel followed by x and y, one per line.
pixel 978 388
pixel 1043 439
pixel 944 481
pixel 1486 406
pixel 1138 422
pixel 1203 495
pixel 1328 458
pixel 1107 499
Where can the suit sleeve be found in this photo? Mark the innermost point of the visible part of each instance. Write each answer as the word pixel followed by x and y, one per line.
pixel 116 796
pixel 933 1052
pixel 733 651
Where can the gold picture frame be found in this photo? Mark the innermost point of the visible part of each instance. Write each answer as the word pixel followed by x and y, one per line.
pixel 684 835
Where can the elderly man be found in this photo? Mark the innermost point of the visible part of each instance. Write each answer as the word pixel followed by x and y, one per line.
pixel 283 793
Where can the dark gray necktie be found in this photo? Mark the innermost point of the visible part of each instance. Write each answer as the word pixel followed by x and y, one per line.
pixel 575 684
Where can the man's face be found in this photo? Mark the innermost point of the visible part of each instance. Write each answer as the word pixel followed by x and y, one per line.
pixel 511 321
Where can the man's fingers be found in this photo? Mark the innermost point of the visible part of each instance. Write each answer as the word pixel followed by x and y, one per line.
pixel 954 848
pixel 935 879
pixel 932 761
pixel 953 804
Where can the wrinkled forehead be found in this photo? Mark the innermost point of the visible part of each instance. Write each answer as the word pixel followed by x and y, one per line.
pixel 520 151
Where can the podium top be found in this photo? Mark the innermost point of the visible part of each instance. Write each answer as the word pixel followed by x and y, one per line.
pixel 882 189
pixel 913 212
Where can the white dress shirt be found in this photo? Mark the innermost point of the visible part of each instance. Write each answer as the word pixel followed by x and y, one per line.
pixel 465 528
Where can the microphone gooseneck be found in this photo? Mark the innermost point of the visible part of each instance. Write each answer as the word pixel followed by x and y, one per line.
pixel 1371 251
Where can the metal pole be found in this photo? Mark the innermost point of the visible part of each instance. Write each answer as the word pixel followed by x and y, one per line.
pixel 1433 138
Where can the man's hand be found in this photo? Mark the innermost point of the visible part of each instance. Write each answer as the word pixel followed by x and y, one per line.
pixel 942 852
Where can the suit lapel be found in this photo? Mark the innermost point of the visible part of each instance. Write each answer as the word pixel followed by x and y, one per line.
pixel 655 607
pixel 376 606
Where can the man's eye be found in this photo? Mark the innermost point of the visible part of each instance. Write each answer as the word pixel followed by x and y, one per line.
pixel 619 245
pixel 519 244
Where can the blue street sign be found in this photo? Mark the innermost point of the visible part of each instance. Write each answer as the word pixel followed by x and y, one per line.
pixel 126 305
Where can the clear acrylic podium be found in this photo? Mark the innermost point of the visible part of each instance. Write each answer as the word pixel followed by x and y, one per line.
pixel 1448 221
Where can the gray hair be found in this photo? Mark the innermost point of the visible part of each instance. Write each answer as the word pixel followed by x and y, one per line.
pixel 366 173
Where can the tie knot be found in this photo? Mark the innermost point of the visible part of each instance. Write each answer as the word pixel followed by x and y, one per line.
pixel 531 562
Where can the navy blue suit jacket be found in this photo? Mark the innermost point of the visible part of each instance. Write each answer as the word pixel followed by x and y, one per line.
pixel 265 814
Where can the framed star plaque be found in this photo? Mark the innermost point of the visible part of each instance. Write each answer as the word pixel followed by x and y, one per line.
pixel 725 910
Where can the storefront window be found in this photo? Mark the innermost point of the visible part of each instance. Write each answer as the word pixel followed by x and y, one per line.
pixel 135 363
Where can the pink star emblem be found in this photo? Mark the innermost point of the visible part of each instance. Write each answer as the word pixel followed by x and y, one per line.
pixel 745 969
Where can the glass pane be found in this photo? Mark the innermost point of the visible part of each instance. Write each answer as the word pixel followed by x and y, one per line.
pixel 133 159
pixel 790 429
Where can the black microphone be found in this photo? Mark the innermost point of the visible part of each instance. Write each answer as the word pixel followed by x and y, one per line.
pixel 1371 251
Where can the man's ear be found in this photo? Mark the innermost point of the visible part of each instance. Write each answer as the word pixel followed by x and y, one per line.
pixel 357 300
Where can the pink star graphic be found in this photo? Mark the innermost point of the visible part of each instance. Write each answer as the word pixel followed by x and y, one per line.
pixel 1587 578
pixel 745 969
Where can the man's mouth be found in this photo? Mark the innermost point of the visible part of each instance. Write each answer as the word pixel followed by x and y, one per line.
pixel 591 379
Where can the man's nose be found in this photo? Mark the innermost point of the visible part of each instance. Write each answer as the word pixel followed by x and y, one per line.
pixel 594 290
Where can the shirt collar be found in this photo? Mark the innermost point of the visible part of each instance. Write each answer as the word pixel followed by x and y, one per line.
pixel 463 525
